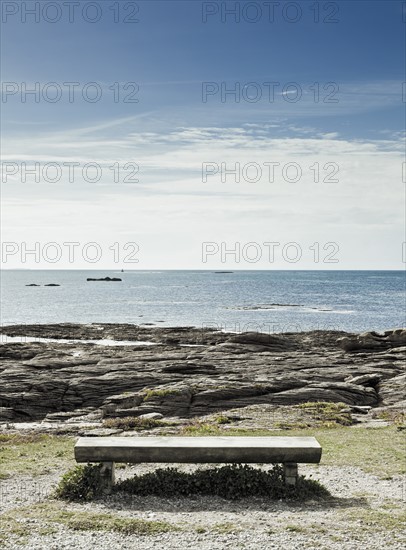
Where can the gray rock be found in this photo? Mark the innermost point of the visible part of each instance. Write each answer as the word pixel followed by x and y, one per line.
pixel 373 341
pixel 61 381
pixel 370 380
pixel 7 413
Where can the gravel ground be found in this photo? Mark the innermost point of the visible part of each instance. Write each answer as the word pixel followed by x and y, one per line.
pixel 248 540
pixel 212 523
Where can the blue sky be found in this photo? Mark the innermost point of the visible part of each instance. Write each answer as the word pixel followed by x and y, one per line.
pixel 358 61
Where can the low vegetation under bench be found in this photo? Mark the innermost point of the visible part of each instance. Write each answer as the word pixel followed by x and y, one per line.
pixel 288 451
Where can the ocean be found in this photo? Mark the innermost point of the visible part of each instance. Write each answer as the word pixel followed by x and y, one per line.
pixel 266 301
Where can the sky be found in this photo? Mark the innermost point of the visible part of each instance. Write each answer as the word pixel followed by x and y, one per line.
pixel 203 135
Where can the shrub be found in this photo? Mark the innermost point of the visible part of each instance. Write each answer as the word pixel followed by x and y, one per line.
pixel 222 419
pixel 230 482
pixel 82 483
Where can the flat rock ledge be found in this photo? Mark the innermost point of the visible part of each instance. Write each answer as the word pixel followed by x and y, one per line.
pixel 191 372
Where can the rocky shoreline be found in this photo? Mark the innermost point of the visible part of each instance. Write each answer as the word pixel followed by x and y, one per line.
pixel 188 372
pixel 60 383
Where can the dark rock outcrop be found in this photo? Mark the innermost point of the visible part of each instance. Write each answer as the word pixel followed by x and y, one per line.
pixel 192 372
pixel 373 341
pixel 267 341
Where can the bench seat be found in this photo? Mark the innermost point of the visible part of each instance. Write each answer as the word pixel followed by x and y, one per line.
pixel 288 451
pixel 198 449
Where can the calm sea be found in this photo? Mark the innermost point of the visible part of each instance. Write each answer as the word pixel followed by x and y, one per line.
pixel 269 301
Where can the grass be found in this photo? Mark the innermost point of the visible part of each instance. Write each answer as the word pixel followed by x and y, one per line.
pixel 224 528
pixel 202 428
pixel 395 416
pixel 222 419
pixel 12 527
pixel 34 454
pixel 153 394
pixel 380 520
pixel 51 514
pixel 379 451
pixel 326 414
pixel 297 417
pixel 376 450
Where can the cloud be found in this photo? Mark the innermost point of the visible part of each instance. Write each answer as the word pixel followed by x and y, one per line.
pixel 171 211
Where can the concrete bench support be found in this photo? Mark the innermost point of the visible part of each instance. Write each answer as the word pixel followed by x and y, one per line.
pixel 288 451
pixel 107 474
pixel 291 472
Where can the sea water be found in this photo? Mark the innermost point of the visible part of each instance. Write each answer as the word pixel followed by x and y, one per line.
pixel 267 301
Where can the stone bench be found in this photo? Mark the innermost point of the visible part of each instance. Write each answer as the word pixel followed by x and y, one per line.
pixel 288 451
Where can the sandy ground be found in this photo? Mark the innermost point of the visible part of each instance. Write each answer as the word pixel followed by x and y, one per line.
pixel 358 517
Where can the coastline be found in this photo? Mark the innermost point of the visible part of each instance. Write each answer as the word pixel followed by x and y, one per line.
pixel 189 372
pixel 344 389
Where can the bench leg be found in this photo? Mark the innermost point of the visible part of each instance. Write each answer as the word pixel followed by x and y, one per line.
pixel 107 477
pixel 290 471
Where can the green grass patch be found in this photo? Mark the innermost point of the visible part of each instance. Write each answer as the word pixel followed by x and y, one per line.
pixel 10 526
pixel 34 454
pixel 109 522
pixel 154 394
pixel 224 528
pixel 376 450
pixel 379 451
pixel 380 520
pixel 394 416
pixel 18 522
pixel 230 482
pixel 198 428
pixel 222 419
pixel 326 414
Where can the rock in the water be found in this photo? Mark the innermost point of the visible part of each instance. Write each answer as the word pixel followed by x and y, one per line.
pixel 104 279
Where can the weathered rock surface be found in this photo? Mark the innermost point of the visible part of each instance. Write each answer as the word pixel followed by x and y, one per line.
pixel 190 371
pixel 371 341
